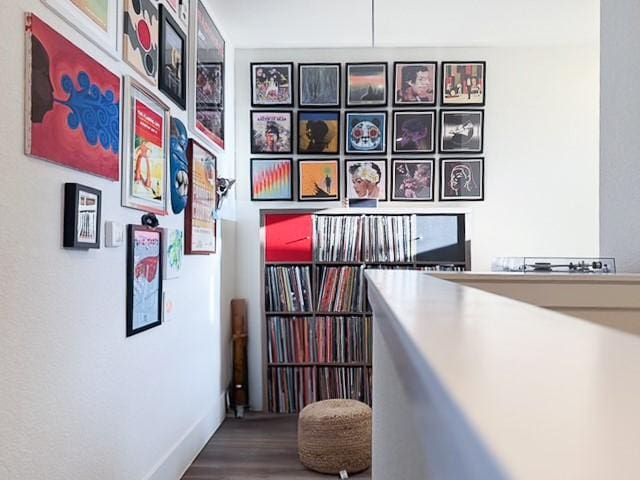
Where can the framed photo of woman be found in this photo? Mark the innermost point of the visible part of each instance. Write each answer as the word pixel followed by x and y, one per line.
pixel 366 179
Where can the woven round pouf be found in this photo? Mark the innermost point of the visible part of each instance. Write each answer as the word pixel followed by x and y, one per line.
pixel 335 435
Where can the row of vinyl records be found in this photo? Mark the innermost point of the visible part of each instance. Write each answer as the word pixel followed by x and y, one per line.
pixel 319 339
pixel 290 389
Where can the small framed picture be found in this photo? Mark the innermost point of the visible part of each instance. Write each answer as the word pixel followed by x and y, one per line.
pixel 366 84
pixel 412 179
pixel 319 85
pixel 199 218
pixel 272 84
pixel 461 131
pixel 318 180
pixel 271 132
pixel 462 179
pixel 414 131
pixel 82 207
pixel 414 83
pixel 319 132
pixel 172 253
pixel 365 133
pixel 172 77
pixel 144 278
pixel 271 179
pixel 463 83
pixel 366 179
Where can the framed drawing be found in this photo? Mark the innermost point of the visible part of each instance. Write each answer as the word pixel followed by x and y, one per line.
pixel 271 132
pixel 414 131
pixel 366 179
pixel 97 20
pixel 463 83
pixel 200 224
pixel 414 83
pixel 319 85
pixel 271 179
pixel 272 84
pixel 319 132
pixel 461 131
pixel 72 104
pixel 144 278
pixel 145 150
pixel 462 179
pixel 366 84
pixel 140 49
pixel 412 179
pixel 365 133
pixel 172 253
pixel 172 77
pixel 318 180
pixel 82 207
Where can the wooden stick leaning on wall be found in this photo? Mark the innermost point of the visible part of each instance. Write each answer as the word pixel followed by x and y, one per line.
pixel 239 389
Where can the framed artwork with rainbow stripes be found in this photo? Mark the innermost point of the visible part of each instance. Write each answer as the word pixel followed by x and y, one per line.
pixel 271 179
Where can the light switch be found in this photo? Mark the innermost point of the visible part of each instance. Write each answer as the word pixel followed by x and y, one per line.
pixel 114 234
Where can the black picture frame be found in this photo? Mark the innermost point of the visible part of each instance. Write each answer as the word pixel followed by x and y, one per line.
pixel 151 264
pixel 319 113
pixel 283 198
pixel 366 104
pixel 82 216
pixel 364 113
pixel 255 147
pixel 301 83
pixel 464 144
pixel 415 104
pixel 443 86
pixel 256 65
pixel 383 172
pixel 447 174
pixel 304 161
pixel 171 84
pixel 396 137
pixel 412 161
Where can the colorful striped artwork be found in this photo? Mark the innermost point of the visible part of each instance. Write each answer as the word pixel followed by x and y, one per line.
pixel 271 179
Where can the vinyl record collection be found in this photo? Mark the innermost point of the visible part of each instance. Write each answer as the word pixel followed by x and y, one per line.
pixel 291 388
pixel 342 382
pixel 288 289
pixel 346 227
pixel 340 289
pixel 387 238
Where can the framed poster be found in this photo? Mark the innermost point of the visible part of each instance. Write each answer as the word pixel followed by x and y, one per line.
pixel 140 49
pixel 172 77
pixel 172 253
pixel 271 179
pixel 412 179
pixel 366 179
pixel 272 84
pixel 72 104
pixel 463 83
pixel 271 132
pixel 144 278
pixel 97 20
pixel 414 131
pixel 461 131
pixel 319 85
pixel 462 179
pixel 82 207
pixel 200 224
pixel 145 150
pixel 366 84
pixel 414 83
pixel 318 180
pixel 365 133
pixel 319 132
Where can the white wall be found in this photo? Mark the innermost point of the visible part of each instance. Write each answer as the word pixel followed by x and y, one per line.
pixel 78 399
pixel 541 151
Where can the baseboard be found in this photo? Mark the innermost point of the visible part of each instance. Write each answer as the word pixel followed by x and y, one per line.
pixel 187 448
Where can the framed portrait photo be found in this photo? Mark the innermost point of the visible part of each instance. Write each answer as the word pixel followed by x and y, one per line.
pixel 366 84
pixel 271 131
pixel 365 133
pixel 462 179
pixel 172 77
pixel 414 83
pixel 82 208
pixel 412 179
pixel 414 131
pixel 461 131
pixel 463 83
pixel 318 132
pixel 366 179
pixel 200 224
pixel 318 180
pixel 272 84
pixel 271 179
pixel 141 35
pixel 319 85
pixel 144 278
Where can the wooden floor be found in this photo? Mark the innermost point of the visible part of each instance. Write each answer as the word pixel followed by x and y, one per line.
pixel 256 447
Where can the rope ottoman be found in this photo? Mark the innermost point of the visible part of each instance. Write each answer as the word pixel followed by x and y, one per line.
pixel 335 435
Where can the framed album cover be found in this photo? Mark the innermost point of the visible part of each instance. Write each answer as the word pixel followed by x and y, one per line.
pixel 318 132
pixel 414 131
pixel 412 179
pixel 365 133
pixel 271 131
pixel 366 179
pixel 82 207
pixel 414 84
pixel 172 76
pixel 271 179
pixel 462 179
pixel 461 131
pixel 318 180
pixel 319 85
pixel 463 83
pixel 272 84
pixel 366 84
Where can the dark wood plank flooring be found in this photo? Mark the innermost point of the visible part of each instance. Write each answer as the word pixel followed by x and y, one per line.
pixel 257 447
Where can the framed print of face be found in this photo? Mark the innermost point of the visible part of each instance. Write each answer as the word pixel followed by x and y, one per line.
pixel 141 37
pixel 82 207
pixel 319 132
pixel 271 132
pixel 412 180
pixel 461 131
pixel 414 131
pixel 172 77
pixel 319 85
pixel 462 179
pixel 366 179
pixel 366 132
pixel 271 179
pixel 200 224
pixel 318 180
pixel 172 253
pixel 463 83
pixel 72 104
pixel 145 150
pixel 272 84
pixel 144 278
pixel 414 83
pixel 366 84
